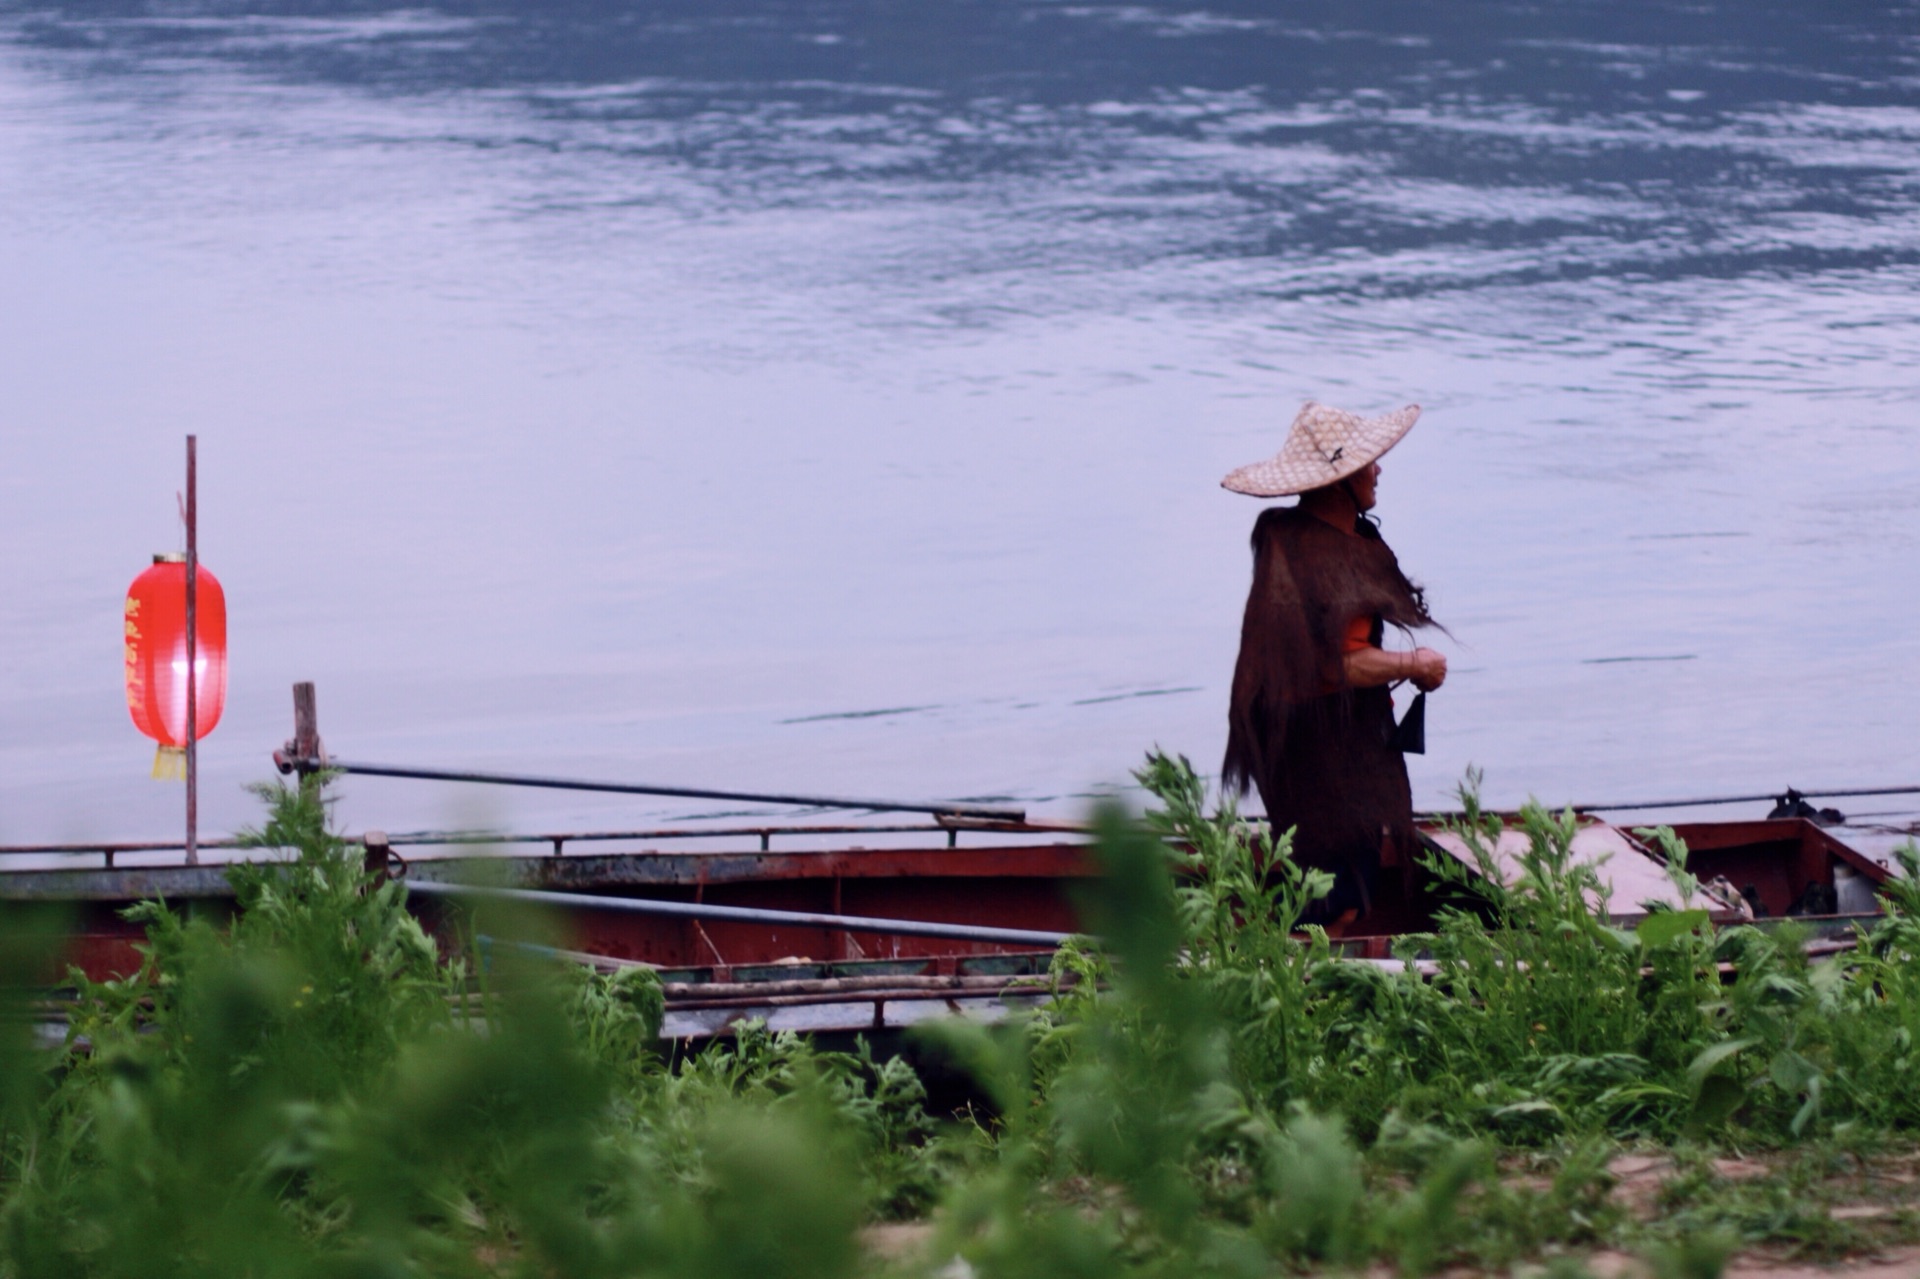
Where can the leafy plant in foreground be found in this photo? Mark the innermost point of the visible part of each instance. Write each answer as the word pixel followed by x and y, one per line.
pixel 311 1087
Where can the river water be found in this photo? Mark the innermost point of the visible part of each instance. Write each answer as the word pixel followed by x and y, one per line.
pixel 832 396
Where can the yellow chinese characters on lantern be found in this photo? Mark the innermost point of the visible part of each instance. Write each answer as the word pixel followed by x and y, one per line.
pixel 156 658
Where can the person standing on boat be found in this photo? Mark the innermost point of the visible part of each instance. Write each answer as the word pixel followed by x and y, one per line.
pixel 1311 719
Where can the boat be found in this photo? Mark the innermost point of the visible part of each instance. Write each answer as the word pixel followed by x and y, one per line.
pixel 870 927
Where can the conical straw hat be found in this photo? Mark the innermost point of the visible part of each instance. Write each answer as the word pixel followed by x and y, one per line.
pixel 1325 446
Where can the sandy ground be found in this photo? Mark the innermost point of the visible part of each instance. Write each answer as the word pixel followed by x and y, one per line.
pixel 1900 1263
pixel 1880 1191
pixel 903 1241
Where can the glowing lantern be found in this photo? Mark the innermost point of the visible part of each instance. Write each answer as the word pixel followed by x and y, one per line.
pixel 156 655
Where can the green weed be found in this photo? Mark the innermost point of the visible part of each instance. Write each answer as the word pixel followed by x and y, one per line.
pixel 313 1087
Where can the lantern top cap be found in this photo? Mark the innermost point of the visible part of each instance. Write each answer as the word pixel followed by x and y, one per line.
pixel 171 557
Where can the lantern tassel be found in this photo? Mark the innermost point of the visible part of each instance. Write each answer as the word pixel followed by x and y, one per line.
pixel 170 764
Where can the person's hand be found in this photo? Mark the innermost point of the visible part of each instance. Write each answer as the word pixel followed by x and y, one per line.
pixel 1429 669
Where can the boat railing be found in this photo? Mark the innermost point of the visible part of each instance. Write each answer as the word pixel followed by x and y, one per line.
pixel 162 854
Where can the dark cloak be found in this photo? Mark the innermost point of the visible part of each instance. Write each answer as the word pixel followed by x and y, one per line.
pixel 1320 752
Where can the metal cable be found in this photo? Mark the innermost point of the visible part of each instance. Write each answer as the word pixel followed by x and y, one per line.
pixel 977 812
pixel 1751 799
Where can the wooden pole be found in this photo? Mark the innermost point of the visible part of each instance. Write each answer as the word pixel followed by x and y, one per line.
pixel 306 723
pixel 379 855
pixel 193 655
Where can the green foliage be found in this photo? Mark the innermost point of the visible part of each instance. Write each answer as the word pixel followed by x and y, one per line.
pixel 309 1087
pixel 1190 1103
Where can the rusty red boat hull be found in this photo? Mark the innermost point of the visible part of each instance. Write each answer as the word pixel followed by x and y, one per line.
pixel 850 978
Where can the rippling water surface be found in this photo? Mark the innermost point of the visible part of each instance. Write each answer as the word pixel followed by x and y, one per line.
pixel 833 396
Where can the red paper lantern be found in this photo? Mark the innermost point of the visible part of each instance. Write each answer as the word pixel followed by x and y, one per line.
pixel 157 652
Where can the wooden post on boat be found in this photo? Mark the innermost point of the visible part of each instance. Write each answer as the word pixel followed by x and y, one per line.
pixel 303 753
pixel 306 726
pixel 193 655
pixel 379 852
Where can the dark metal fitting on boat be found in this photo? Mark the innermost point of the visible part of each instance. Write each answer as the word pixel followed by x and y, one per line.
pixel 1794 804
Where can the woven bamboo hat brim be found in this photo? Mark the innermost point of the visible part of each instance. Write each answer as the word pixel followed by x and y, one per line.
pixel 1324 446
